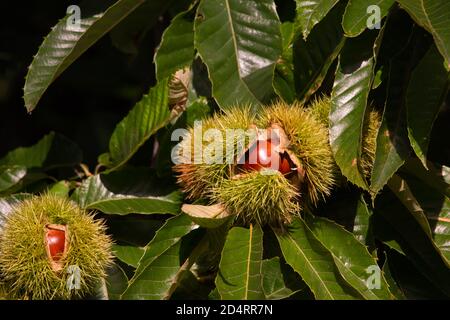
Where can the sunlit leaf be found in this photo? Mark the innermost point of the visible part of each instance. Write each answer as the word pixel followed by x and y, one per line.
pixel 311 12
pixel 246 45
pixel 240 268
pixel 159 266
pixel 315 264
pixel 424 100
pixel 128 191
pixel 434 16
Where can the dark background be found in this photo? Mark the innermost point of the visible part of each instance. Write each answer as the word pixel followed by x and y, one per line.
pixel 87 100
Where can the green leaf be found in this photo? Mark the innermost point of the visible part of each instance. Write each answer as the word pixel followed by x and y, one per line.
pixel 378 78
pixel 401 189
pixel 197 110
pixel 240 42
pixel 439 219
pixel 351 89
pixel 67 41
pixel 435 208
pixel 436 178
pixel 392 139
pixel 239 276
pixel 414 242
pixel 207 216
pixel 393 286
pixel 357 15
pixel 438 214
pixel 116 282
pixel 159 266
pixel 129 33
pixel 275 284
pixel 128 254
pixel 128 191
pixel 352 212
pixel 315 264
pixel 209 261
pixel 423 100
pixel 60 188
pixel 192 288
pixel 176 50
pixel 52 151
pixel 351 257
pixel 394 245
pixel 361 228
pixel 385 233
pixel 434 16
pixel 287 37
pixel 214 295
pixel 283 77
pixel 314 56
pixel 149 115
pixel 10 176
pixel 311 12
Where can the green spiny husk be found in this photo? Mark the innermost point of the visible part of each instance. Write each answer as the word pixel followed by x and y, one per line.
pixel 309 142
pixel 3 293
pixel 264 196
pixel 320 109
pixel 24 264
pixel 273 199
pixel 199 179
pixel 257 197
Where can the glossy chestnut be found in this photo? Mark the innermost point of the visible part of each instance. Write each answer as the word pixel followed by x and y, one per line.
pixel 56 241
pixel 261 155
